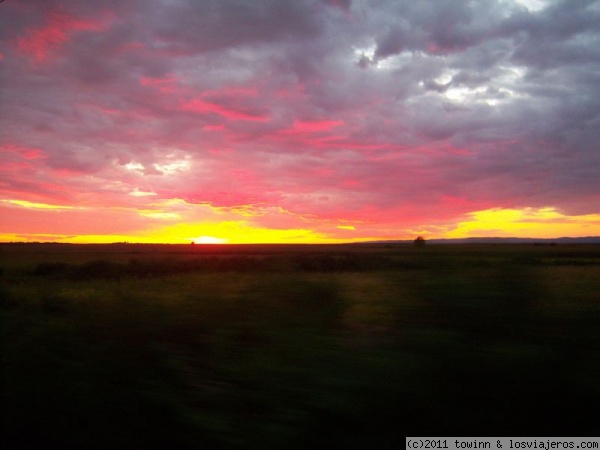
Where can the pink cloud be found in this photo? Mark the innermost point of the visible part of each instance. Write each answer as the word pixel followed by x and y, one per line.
pixel 21 152
pixel 166 85
pixel 199 106
pixel 307 127
pixel 40 42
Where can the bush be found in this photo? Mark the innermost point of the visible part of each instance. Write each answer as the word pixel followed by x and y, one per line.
pixel 419 242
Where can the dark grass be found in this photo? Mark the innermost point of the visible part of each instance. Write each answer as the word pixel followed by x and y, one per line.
pixel 151 347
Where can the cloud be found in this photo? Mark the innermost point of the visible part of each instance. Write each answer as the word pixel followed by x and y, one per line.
pixel 391 115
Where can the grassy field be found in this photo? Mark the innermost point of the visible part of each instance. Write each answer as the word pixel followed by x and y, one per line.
pixel 259 347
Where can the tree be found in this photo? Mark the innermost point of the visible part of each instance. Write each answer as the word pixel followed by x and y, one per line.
pixel 419 242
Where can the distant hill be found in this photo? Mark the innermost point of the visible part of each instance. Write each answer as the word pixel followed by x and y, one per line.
pixel 508 240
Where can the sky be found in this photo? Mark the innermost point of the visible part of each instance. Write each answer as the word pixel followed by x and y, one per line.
pixel 304 121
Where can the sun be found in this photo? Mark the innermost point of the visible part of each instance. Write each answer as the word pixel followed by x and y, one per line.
pixel 209 240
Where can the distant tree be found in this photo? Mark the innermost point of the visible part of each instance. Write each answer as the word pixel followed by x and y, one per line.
pixel 419 242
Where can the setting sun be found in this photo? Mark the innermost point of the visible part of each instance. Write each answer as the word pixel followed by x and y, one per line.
pixel 209 240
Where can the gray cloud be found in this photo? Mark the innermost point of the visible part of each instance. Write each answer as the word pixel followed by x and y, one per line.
pixel 487 101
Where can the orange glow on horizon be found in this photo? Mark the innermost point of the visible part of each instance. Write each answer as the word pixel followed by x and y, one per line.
pixel 176 222
pixel 543 223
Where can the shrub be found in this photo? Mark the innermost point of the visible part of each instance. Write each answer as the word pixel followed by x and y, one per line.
pixel 419 242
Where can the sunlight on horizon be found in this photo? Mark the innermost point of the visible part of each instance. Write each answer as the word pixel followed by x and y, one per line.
pixel 209 240
pixel 542 223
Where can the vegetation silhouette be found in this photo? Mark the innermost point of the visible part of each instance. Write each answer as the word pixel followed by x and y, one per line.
pixel 419 241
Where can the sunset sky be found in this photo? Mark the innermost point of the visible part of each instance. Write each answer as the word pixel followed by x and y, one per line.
pixel 298 120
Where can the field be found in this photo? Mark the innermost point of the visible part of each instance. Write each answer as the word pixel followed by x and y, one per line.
pixel 260 347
